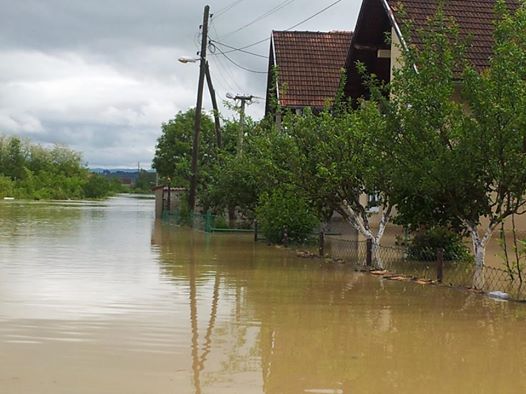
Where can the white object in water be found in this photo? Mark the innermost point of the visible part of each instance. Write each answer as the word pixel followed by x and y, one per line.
pixel 499 295
pixel 9 198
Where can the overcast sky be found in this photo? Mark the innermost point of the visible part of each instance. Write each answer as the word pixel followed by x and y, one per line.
pixel 100 76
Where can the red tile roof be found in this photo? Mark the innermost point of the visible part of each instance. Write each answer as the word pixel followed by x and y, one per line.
pixel 309 65
pixel 475 20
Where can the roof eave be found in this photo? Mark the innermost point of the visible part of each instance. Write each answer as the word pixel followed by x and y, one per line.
pixel 273 46
pixel 394 24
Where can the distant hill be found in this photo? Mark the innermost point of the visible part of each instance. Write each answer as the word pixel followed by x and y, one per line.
pixel 142 180
pixel 98 170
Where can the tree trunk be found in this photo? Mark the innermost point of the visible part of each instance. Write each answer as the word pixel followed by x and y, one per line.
pixel 479 279
pixel 479 251
pixel 480 243
pixel 377 259
pixel 232 217
pixel 363 227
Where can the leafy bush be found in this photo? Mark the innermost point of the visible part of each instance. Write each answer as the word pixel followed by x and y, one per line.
pixel 424 245
pixel 30 171
pixel 285 208
pixel 6 186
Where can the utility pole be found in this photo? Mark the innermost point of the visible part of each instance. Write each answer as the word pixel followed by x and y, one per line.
pixel 214 105
pixel 198 108
pixel 243 100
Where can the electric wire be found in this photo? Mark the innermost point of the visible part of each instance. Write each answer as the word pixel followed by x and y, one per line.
pixel 222 84
pixel 225 9
pixel 237 49
pixel 239 65
pixel 266 14
pixel 242 49
pixel 227 74
pixel 314 15
pixel 288 29
pixel 228 84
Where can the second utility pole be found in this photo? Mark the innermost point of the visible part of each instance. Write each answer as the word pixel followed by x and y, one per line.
pixel 198 108
pixel 243 100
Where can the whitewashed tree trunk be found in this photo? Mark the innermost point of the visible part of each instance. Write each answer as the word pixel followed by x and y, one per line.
pixel 375 252
pixel 480 243
pixel 363 227
pixel 479 279
pixel 479 251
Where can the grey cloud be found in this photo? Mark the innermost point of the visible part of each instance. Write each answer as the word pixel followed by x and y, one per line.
pixel 101 76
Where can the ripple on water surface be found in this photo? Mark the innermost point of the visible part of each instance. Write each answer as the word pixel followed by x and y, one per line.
pixel 99 297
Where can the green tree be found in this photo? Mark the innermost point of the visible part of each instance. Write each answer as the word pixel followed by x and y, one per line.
pixel 460 163
pixel 334 158
pixel 494 134
pixel 284 209
pixel 145 181
pixel 14 159
pixel 173 154
pixel 35 172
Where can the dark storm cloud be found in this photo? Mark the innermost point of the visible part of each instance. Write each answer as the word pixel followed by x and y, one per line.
pixel 101 76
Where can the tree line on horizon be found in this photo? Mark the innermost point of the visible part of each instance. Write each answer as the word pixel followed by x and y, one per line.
pixel 31 171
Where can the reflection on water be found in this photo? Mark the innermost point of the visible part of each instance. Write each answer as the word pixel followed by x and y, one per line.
pixel 100 298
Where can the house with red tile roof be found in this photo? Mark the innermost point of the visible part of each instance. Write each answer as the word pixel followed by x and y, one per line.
pixel 385 28
pixel 305 68
pixel 378 39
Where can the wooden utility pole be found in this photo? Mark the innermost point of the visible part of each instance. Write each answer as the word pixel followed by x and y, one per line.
pixel 243 100
pixel 214 105
pixel 198 108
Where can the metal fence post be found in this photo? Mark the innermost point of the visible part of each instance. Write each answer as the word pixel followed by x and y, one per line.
pixel 255 230
pixel 169 200
pixel 321 248
pixel 369 260
pixel 208 222
pixel 440 265
pixel 285 237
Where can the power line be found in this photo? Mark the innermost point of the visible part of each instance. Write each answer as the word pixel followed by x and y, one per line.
pixel 252 45
pixel 224 74
pixel 239 65
pixel 262 16
pixel 227 8
pixel 290 28
pixel 314 15
pixel 228 75
pixel 234 49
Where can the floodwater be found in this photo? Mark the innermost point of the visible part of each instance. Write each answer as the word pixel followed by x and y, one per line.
pixel 101 298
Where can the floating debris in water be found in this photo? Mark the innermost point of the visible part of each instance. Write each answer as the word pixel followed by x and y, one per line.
pixel 499 295
pixel 306 254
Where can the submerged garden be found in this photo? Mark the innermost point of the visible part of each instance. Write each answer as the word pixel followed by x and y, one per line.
pixel 440 150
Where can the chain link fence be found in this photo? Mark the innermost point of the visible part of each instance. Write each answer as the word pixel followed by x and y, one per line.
pixel 205 222
pixel 432 266
pixel 198 221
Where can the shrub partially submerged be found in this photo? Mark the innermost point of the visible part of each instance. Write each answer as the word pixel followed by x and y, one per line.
pixel 285 209
pixel 424 245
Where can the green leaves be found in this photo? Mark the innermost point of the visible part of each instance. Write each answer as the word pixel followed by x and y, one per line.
pixel 29 171
pixel 459 146
pixel 174 148
pixel 285 209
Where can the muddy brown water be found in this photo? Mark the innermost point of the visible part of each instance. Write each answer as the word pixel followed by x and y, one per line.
pixel 101 298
